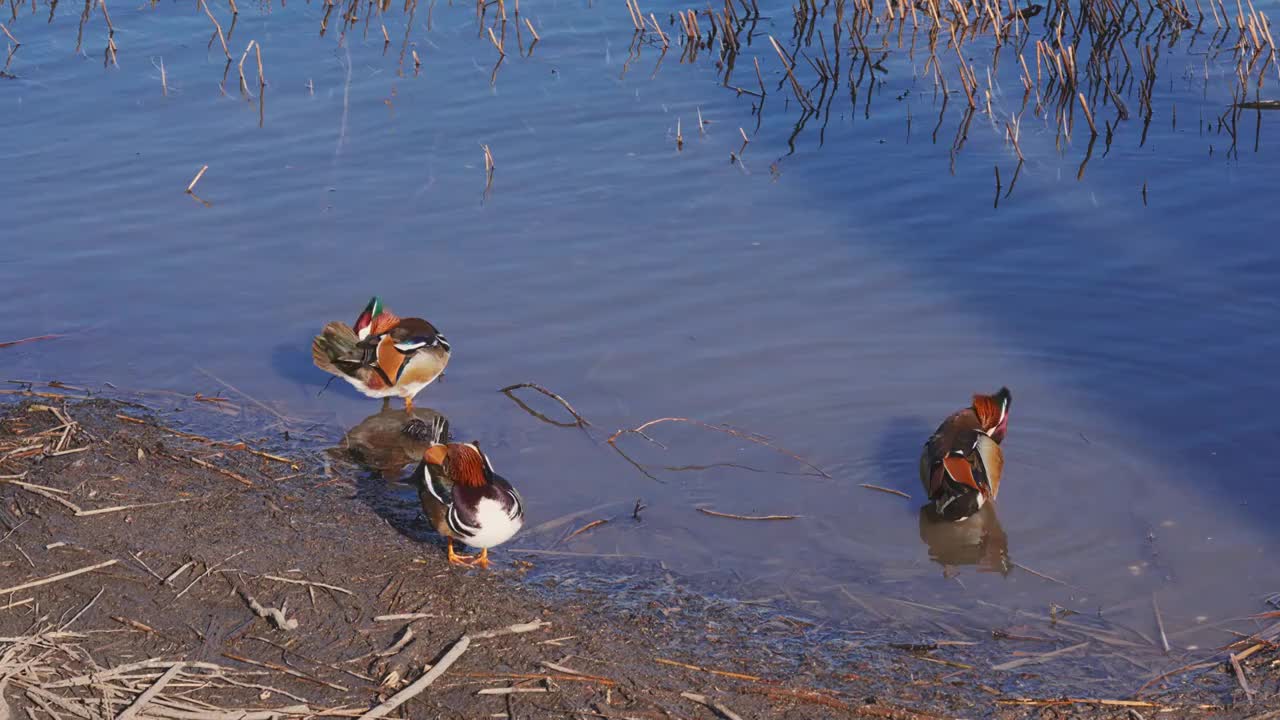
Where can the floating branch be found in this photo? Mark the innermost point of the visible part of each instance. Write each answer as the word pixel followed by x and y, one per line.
pixel 750 437
pixel 891 491
pixel 11 343
pixel 585 528
pixel 580 421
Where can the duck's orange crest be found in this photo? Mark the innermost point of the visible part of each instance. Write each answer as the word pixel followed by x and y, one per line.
pixel 987 409
pixel 383 322
pixel 467 465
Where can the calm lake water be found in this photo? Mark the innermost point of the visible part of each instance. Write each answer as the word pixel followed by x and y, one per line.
pixel 839 289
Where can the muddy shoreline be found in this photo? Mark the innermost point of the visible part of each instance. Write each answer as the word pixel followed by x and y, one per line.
pixel 131 547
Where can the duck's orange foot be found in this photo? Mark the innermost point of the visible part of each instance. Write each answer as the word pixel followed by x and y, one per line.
pixel 408 405
pixel 483 560
pixel 456 559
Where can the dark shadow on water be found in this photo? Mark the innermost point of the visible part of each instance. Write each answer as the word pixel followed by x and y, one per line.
pixel 292 361
pixel 895 462
pixel 977 540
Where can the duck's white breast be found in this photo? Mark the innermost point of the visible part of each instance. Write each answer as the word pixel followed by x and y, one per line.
pixel 495 526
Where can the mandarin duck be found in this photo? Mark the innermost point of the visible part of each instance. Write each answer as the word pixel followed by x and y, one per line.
pixel 978 540
pixel 383 356
pixel 961 463
pixel 462 495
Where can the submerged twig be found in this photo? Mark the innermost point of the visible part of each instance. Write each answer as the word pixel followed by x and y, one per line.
pixel 714 513
pixel 581 421
pixel 750 437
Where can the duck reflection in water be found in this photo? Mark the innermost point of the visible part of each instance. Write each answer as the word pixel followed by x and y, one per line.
pixel 977 540
pixel 379 443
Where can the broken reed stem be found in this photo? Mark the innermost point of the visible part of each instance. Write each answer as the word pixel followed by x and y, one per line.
pixel 536 36
pixel 244 86
pixel 192 185
pixel 421 683
pixel 635 21
pixel 1088 115
pixel 218 26
pixel 9 35
pixel 57 578
pixel 294 581
pixel 111 30
pixel 801 95
pixel 164 79
pixel 1078 701
pixel 147 695
pixel 496 43
pixel 262 78
pixel 489 165
pixel 716 707
pixel 666 41
pixel 1164 639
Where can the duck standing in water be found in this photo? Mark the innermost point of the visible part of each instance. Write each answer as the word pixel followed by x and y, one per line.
pixel 383 356
pixel 961 464
pixel 462 495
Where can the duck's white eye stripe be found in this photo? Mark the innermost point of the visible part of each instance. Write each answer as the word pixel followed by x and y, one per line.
pixel 410 346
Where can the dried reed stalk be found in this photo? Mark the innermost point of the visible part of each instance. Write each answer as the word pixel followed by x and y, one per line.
pixel 489 164
pixel 221 38
pixel 192 185
pixel 9 35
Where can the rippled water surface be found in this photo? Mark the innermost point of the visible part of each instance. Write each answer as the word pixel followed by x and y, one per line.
pixel 839 289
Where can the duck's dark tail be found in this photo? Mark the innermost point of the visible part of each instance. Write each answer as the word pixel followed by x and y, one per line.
pixel 334 348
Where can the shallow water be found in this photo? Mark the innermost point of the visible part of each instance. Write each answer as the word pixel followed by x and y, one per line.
pixel 840 298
